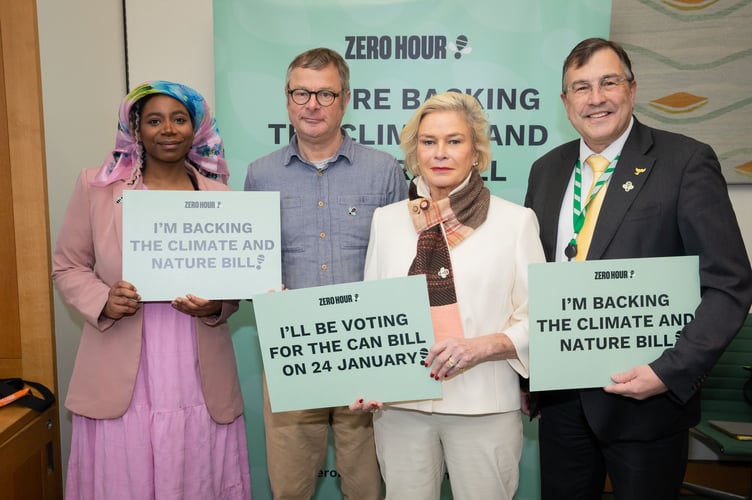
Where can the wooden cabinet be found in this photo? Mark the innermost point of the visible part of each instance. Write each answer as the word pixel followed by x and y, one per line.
pixel 29 441
pixel 29 454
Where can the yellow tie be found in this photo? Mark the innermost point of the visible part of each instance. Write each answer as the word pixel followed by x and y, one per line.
pixel 599 164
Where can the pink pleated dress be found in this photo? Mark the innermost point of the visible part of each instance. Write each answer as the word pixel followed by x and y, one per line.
pixel 165 446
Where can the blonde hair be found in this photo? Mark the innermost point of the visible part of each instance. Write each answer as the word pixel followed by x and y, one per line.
pixel 469 107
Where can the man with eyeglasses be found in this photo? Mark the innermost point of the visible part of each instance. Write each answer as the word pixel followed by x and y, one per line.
pixel 329 188
pixel 664 195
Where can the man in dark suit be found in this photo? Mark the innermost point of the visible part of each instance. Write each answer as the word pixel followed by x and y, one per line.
pixel 663 195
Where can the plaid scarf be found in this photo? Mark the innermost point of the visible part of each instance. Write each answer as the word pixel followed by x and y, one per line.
pixel 442 225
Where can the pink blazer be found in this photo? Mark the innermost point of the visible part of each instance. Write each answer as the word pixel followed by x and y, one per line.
pixel 86 262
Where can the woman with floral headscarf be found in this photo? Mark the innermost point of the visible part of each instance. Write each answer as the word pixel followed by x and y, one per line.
pixel 155 396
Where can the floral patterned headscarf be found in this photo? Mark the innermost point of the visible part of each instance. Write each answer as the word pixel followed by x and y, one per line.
pixel 207 152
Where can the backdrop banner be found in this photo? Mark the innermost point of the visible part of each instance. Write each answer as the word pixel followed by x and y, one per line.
pixel 506 53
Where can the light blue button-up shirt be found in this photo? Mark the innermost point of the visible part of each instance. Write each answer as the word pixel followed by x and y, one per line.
pixel 326 213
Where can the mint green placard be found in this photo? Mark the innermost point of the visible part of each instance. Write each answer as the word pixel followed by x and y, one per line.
pixel 213 244
pixel 328 346
pixel 592 319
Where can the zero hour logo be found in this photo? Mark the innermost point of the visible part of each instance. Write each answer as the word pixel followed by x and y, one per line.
pixel 405 47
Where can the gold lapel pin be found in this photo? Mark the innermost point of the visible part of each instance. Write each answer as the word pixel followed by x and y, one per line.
pixel 638 171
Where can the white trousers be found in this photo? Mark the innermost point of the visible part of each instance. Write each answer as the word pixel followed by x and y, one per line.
pixel 481 453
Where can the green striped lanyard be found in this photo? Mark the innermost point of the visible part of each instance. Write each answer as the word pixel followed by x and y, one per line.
pixel 579 210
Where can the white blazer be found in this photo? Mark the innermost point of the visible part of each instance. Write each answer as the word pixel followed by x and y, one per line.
pixel 490 269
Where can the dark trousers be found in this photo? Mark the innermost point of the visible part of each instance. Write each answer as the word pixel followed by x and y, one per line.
pixel 574 462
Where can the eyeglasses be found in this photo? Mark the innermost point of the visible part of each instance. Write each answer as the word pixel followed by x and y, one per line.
pixel 302 96
pixel 606 84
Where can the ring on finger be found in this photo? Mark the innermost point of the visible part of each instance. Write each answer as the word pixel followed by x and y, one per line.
pixel 450 362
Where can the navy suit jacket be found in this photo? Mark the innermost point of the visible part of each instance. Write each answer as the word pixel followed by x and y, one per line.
pixel 678 205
